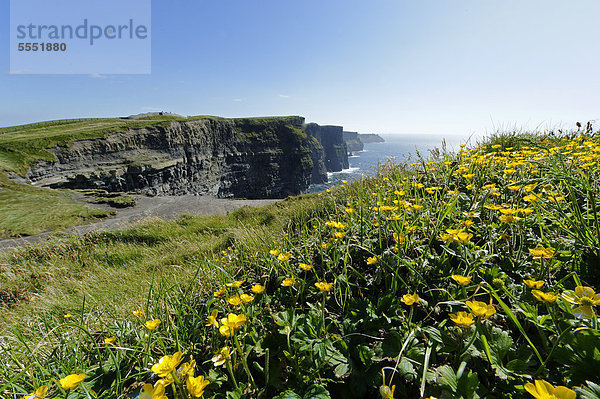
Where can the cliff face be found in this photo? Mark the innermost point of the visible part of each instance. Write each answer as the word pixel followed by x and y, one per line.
pixel 353 141
pixel 334 147
pixel 370 138
pixel 246 158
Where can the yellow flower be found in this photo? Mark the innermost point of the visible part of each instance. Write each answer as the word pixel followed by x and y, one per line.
pixel 212 319
pixel 152 324
pixel 462 280
pixel 246 298
pixel 138 312
pixel 196 385
pixel 220 358
pixel 410 299
pixel 399 238
pixel 71 381
pixel 288 282
pixel 284 256
pixel 323 287
pixel 68 316
pixel 231 323
pixel 509 218
pixel 372 260
pixel 339 234
pixel 110 340
pixel 540 252
pixel 187 370
pixel 535 284
pixel 234 300
pixel 586 298
pixel 481 309
pixel 544 390
pixel 531 198
pixel 236 284
pixel 305 267
pixel 167 364
pixel 257 288
pixel 274 252
pixel 544 296
pixel 156 391
pixel 462 319
pixel 220 292
pixel 349 211
pixel 39 393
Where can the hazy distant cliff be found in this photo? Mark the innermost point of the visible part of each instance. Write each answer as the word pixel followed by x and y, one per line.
pixel 353 142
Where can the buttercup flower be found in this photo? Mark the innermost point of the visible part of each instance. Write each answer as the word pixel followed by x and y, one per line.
pixel 586 298
pixel 284 256
pixel 462 280
pixel 305 267
pixel 220 358
pixel 462 319
pixel 196 385
pixel 481 309
pixel 71 381
pixel 323 287
pixel 236 284
pixel 257 288
pixel 371 260
pixel 288 282
pixel 410 299
pixel 231 323
pixel 167 364
pixel 246 298
pixel 187 369
pixel 544 390
pixel 138 312
pixel 156 391
pixel 110 340
pixel 544 296
pixel 212 319
pixel 540 252
pixel 274 252
pixel 235 300
pixel 535 284
pixel 220 292
pixel 152 324
pixel 39 393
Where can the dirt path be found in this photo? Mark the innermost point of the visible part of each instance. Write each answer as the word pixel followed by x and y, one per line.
pixel 167 207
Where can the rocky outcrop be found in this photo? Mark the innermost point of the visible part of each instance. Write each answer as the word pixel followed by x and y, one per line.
pixel 353 142
pixel 370 138
pixel 334 147
pixel 244 158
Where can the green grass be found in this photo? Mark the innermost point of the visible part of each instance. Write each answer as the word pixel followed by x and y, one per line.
pixel 28 210
pixel 501 246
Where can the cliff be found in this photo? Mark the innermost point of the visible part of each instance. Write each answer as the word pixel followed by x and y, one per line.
pixel 353 142
pixel 247 158
pixel 370 138
pixel 334 148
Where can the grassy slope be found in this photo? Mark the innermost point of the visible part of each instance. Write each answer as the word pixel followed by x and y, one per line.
pixel 27 210
pixel 113 270
pixel 395 241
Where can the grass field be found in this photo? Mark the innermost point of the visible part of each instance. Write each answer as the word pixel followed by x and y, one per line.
pixel 469 275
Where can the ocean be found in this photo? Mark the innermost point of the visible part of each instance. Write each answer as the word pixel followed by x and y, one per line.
pixel 399 147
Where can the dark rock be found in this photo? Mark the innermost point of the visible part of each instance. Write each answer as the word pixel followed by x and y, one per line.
pixel 334 147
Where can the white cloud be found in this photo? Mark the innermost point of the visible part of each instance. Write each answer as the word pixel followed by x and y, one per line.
pixel 284 96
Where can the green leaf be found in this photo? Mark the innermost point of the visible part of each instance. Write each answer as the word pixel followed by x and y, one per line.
pixel 447 378
pixel 316 391
pixel 592 391
pixel 288 395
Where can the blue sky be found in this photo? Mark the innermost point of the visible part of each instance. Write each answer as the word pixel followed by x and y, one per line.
pixel 388 66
